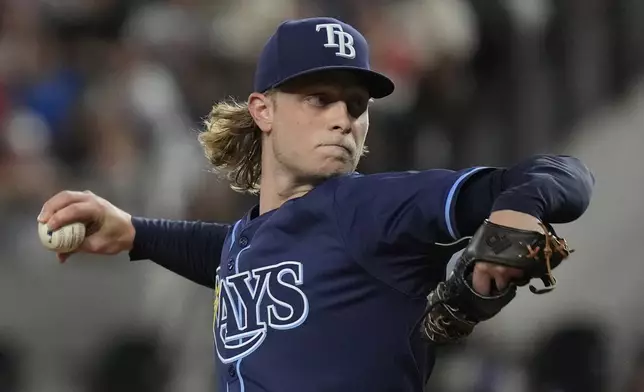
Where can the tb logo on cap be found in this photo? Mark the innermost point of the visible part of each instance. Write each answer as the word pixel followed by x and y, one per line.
pixel 336 37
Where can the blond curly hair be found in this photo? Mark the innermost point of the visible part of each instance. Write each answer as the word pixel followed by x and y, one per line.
pixel 232 143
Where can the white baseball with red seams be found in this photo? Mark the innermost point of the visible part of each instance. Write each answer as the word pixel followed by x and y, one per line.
pixel 66 239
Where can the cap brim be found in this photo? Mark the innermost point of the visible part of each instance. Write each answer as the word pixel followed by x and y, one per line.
pixel 378 85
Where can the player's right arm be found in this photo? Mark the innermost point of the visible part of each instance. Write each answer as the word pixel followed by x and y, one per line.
pixel 189 249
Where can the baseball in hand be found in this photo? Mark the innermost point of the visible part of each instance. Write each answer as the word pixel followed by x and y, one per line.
pixel 66 239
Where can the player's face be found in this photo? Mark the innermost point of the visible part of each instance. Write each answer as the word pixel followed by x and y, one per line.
pixel 319 125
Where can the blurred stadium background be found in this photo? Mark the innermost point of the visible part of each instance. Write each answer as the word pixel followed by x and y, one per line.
pixel 108 95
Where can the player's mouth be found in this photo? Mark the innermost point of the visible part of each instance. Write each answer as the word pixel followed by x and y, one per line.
pixel 345 148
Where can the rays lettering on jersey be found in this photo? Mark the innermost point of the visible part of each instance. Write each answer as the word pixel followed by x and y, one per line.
pixel 250 303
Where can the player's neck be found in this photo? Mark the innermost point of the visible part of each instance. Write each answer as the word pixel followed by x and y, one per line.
pixel 273 196
pixel 277 187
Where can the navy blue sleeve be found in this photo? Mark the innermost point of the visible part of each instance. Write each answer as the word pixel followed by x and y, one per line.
pixel 415 207
pixel 189 249
pixel 391 223
pixel 397 224
pixel 555 189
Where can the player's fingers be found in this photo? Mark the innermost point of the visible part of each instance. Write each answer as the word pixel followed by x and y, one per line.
pixel 84 211
pixel 89 245
pixel 62 257
pixel 481 281
pixel 503 276
pixel 508 273
pixel 92 244
pixel 489 273
pixel 501 282
pixel 60 201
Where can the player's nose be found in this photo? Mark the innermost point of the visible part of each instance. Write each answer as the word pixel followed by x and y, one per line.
pixel 341 118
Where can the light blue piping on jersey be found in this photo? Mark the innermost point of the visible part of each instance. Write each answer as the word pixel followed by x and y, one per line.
pixel 233 238
pixel 450 197
pixel 239 310
pixel 230 247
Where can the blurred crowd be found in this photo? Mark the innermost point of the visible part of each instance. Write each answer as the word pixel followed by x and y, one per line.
pixel 109 95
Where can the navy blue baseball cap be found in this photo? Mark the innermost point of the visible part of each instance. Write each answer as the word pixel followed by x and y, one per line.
pixel 306 46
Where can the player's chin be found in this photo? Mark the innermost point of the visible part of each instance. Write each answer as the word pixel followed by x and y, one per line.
pixel 334 166
pixel 329 170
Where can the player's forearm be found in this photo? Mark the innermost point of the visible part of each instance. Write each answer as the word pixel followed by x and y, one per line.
pixel 555 189
pixel 190 249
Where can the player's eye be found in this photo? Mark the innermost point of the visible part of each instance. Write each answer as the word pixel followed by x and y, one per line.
pixel 319 100
pixel 357 105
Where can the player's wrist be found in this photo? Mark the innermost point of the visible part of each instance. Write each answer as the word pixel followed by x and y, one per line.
pixel 126 240
pixel 516 219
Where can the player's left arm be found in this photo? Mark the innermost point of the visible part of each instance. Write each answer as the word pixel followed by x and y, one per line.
pixel 544 188
pixel 550 188
pixel 396 224
pixel 508 213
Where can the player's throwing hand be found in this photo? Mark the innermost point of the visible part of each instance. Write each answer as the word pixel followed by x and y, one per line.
pixel 109 229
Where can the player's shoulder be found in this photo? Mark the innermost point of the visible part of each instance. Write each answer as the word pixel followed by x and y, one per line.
pixel 395 178
pixel 389 187
pixel 431 185
pixel 395 175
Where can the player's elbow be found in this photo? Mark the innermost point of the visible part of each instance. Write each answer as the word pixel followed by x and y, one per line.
pixel 575 181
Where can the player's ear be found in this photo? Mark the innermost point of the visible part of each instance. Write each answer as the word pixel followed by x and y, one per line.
pixel 261 108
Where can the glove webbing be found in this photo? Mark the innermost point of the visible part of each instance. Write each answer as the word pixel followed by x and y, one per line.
pixel 560 245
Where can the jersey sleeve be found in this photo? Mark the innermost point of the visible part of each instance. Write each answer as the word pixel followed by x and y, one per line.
pixel 189 249
pixel 448 207
pixel 398 225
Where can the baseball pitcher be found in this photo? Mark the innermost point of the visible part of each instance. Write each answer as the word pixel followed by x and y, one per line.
pixel 335 280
